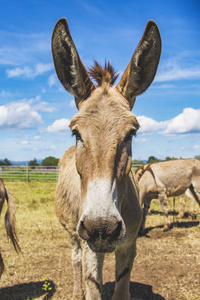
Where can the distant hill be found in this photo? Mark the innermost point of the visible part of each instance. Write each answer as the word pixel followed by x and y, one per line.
pixel 23 162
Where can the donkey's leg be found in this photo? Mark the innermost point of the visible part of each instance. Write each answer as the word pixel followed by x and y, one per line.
pixel 163 202
pixel 146 207
pixel 192 211
pixel 195 190
pixel 92 265
pixel 1 265
pixel 124 263
pixel 77 266
pixel 182 206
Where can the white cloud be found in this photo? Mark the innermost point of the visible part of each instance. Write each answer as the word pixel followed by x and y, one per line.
pixel 24 114
pixel 72 103
pixel 52 80
pixel 45 107
pixel 29 72
pixel 38 138
pixel 18 49
pixel 138 140
pixel 5 94
pixel 19 115
pixel 24 142
pixel 186 122
pixel 180 67
pixel 52 147
pixel 59 126
pixel 196 147
pixel 178 73
pixel 17 72
pixel 42 68
pixel 148 125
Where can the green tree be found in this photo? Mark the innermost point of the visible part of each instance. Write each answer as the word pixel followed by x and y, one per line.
pixel 152 159
pixel 170 158
pixel 50 161
pixel 197 157
pixel 5 162
pixel 33 163
pixel 136 162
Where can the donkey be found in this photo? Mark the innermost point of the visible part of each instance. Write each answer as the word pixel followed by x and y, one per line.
pixel 167 179
pixel 9 220
pixel 97 198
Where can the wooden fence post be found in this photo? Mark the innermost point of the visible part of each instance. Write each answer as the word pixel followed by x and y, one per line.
pixel 57 173
pixel 27 172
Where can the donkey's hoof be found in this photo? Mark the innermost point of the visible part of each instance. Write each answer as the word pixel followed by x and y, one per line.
pixel 141 232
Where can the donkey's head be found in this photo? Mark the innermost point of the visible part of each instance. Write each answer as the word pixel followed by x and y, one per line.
pixel 104 127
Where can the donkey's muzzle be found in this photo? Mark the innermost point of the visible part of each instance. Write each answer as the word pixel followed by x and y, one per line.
pixel 101 236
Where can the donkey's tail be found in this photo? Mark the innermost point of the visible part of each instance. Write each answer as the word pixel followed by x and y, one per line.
pixel 10 221
pixel 2 193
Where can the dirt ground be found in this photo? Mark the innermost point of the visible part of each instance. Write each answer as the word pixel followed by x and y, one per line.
pixel 167 265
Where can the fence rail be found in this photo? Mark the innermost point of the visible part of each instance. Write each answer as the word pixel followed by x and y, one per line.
pixel 37 173
pixel 28 173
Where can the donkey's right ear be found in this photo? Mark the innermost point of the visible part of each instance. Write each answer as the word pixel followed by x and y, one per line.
pixel 69 67
pixel 143 65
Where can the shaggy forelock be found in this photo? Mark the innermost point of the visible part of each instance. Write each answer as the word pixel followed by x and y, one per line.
pixel 103 74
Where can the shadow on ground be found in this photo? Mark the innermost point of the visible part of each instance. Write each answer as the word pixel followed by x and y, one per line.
pixel 173 213
pixel 29 291
pixel 138 291
pixel 172 225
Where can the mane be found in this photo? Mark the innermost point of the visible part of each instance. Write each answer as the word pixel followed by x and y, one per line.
pixel 103 74
pixel 140 171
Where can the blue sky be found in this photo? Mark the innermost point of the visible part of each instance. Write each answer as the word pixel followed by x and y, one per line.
pixel 35 110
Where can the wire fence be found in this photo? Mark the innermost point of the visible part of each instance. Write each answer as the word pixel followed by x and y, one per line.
pixel 37 173
pixel 29 173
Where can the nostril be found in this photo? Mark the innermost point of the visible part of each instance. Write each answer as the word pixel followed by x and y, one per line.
pixel 86 232
pixel 117 231
pixel 89 230
pixel 82 231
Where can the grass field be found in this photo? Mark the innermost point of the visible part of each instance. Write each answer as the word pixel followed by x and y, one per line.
pixel 167 265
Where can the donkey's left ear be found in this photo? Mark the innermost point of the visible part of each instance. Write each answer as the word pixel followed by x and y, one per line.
pixel 143 66
pixel 69 67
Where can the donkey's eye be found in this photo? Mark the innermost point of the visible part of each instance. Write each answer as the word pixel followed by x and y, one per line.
pixel 130 135
pixel 77 135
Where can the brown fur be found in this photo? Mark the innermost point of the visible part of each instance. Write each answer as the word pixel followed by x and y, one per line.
pixel 97 197
pixel 9 219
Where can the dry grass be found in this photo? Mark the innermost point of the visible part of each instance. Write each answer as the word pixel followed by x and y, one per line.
pixel 43 242
pixel 167 265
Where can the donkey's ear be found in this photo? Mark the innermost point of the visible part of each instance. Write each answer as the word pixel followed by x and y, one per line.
pixel 143 65
pixel 69 67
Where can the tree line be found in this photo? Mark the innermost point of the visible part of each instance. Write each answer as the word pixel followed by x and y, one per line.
pixel 153 159
pixel 52 161
pixel 48 161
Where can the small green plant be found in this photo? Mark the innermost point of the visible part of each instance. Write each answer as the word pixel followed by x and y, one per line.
pixel 46 285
